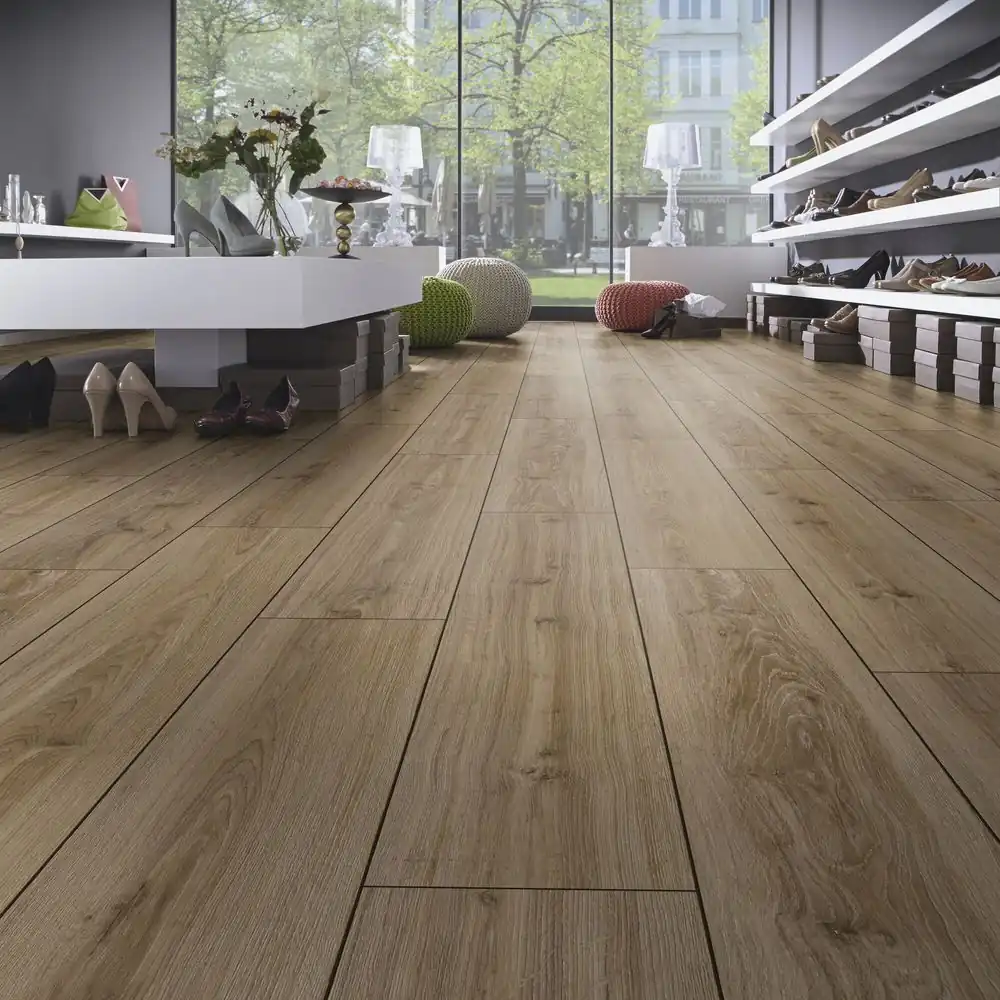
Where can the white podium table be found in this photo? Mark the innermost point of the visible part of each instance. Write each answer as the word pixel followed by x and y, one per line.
pixel 198 307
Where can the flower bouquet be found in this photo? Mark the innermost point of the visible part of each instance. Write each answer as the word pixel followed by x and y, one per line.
pixel 282 140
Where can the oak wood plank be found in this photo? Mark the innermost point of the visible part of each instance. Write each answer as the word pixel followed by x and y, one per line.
pixel 537 759
pixel 965 457
pixel 548 466
pixel 878 468
pixel 425 944
pixel 399 551
pixel 78 703
pixel 966 534
pixel 139 456
pixel 315 486
pixel 901 605
pixel 559 395
pixel 734 437
pixel 226 861
pixel 500 368
pixel 959 717
pixel 676 510
pixel 42 451
pixel 32 601
pixel 765 394
pixel 124 529
pixel 32 505
pixel 834 856
pixel 464 424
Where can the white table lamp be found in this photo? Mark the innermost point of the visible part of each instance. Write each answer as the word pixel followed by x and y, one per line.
pixel 670 147
pixel 396 149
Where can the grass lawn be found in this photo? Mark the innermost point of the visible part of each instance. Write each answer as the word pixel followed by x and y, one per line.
pixel 566 289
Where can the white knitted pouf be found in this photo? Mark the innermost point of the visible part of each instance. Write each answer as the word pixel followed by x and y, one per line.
pixel 501 294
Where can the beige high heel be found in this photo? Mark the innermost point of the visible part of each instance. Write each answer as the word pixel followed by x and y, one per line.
pixel 135 390
pixel 98 388
pixel 825 137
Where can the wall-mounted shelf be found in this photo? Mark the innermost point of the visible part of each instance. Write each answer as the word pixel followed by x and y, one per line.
pixel 973 206
pixel 31 230
pixel 952 30
pixel 977 306
pixel 959 117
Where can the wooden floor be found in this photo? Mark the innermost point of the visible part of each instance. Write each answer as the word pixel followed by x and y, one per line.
pixel 569 667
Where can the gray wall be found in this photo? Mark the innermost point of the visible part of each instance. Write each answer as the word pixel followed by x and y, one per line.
pixel 813 38
pixel 88 86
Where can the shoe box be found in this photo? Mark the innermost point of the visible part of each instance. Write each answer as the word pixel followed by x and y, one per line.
pixel 404 353
pixel 824 345
pixel 383 369
pixel 867 349
pixel 788 328
pixel 975 358
pixel 324 389
pixel 893 334
pixel 934 352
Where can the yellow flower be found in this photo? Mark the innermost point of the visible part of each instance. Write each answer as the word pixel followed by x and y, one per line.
pixel 264 135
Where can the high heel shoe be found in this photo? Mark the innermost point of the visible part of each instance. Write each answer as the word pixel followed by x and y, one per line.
pixel 135 390
pixel 43 388
pixel 237 233
pixel 190 221
pixel 98 388
pixel 904 196
pixel 275 416
pixel 15 399
pixel 858 277
pixel 825 137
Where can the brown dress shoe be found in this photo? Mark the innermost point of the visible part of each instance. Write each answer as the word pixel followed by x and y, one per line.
pixel 846 324
pixel 275 416
pixel 228 414
pixel 859 206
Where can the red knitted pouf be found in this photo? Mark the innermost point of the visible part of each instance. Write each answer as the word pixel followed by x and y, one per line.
pixel 631 305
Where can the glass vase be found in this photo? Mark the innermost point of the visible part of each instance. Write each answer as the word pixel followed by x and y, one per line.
pixel 272 220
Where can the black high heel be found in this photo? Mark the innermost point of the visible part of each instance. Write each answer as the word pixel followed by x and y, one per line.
pixel 858 277
pixel 15 398
pixel 43 388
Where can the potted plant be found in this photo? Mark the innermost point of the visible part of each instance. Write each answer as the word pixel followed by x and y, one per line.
pixel 281 141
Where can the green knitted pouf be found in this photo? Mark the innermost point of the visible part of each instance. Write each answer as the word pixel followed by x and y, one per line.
pixel 442 318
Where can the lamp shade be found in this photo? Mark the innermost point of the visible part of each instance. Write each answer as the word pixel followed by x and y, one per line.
pixel 670 145
pixel 392 146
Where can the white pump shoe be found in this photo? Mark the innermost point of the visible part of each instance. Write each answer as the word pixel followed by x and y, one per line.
pixel 134 390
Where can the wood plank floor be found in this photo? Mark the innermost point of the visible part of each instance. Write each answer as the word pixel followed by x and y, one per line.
pixel 570 666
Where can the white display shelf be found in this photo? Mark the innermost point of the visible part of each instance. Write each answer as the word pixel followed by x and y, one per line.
pixel 978 306
pixel 973 206
pixel 952 30
pixel 33 231
pixel 959 117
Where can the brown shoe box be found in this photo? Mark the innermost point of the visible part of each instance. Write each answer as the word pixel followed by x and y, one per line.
pixel 383 333
pixel 970 370
pixel 935 342
pixel 975 330
pixel 850 354
pixel 894 331
pixel 978 352
pixel 892 364
pixel 931 360
pixel 882 315
pixel 897 345
pixel 828 338
pixel 931 377
pixel 939 324
pixel 973 390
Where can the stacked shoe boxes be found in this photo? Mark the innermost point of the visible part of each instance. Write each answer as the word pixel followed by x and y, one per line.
pixel 751 313
pixel 821 344
pixel 935 352
pixel 889 337
pixel 383 350
pixel 975 357
pixel 788 328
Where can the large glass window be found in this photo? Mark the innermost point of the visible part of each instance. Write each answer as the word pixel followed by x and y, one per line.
pixel 530 151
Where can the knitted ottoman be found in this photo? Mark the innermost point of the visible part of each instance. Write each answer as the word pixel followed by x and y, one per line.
pixel 441 318
pixel 631 305
pixel 501 294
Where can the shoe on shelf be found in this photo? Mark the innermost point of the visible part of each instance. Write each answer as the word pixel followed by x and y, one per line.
pixel 237 234
pixel 932 192
pixel 43 388
pixel 844 322
pixel 275 416
pixel 973 175
pixel 974 286
pixel 802 97
pixel 798 271
pixel 189 222
pixel 962 283
pixel 783 223
pixel 858 206
pixel 816 201
pixel 844 197
pixel 904 196
pixel 228 414
pixel 954 87
pixel 914 270
pixel 982 183
pixel 135 391
pixel 859 130
pixel 858 277
pixel 840 314
pixel 16 390
pixel 794 161
pixel 947 269
pixel 927 283
pixel 825 137
pixel 897 115
pixel 824 80
pixel 766 118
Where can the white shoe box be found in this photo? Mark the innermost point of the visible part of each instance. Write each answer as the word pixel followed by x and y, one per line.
pixel 867 349
pixel 849 354
pixel 829 338
pixel 933 377
pixel 944 325
pixel 975 330
pixel 973 390
pixel 978 352
pixel 936 341
pixel 931 360
pixel 970 370
pixel 892 364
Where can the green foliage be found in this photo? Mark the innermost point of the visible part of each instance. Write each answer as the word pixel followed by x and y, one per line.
pixel 749 105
